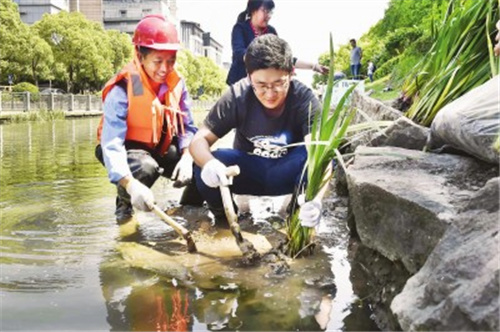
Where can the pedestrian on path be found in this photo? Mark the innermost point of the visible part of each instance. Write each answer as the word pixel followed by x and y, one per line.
pixel 356 55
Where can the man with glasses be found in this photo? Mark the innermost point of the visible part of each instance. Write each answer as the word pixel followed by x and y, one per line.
pixel 269 112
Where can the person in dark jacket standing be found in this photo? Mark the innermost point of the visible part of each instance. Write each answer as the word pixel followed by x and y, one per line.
pixel 251 23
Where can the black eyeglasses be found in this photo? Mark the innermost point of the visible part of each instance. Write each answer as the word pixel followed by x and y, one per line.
pixel 278 87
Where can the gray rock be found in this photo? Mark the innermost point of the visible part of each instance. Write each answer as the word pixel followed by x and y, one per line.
pixel 403 200
pixel 403 133
pixel 375 110
pixel 458 287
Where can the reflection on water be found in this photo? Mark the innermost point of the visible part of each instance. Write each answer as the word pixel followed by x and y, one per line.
pixel 61 269
pixel 54 205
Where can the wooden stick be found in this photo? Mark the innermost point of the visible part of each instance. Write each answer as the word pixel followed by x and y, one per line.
pixel 181 230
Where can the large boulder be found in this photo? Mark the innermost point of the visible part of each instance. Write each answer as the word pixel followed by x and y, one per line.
pixel 403 200
pixel 402 133
pixel 458 287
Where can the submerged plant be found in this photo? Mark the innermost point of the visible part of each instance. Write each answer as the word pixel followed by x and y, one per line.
pixel 327 133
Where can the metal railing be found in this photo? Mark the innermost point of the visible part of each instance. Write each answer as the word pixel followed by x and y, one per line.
pixel 28 102
pixel 32 102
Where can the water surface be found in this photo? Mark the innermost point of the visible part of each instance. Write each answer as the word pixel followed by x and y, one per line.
pixel 61 268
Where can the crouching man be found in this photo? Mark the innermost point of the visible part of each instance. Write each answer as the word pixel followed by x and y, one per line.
pixel 269 111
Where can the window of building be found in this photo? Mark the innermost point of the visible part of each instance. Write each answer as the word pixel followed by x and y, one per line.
pixel 123 13
pixel 146 12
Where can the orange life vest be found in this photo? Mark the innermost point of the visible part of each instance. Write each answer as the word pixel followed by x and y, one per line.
pixel 146 114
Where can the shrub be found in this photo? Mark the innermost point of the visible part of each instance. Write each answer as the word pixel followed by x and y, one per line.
pixel 402 38
pixel 401 69
pixel 25 87
pixel 386 68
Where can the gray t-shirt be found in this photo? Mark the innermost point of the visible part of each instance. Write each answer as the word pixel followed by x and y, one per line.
pixel 257 131
pixel 356 56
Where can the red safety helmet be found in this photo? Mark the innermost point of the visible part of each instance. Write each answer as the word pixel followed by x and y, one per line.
pixel 153 31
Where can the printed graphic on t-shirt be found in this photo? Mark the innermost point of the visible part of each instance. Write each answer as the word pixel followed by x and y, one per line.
pixel 269 146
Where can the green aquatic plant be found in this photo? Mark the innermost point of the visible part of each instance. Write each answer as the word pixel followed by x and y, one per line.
pixel 460 59
pixel 331 129
pixel 327 133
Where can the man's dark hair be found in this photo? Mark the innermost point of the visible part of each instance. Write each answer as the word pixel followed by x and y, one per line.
pixel 268 51
pixel 352 40
pixel 254 5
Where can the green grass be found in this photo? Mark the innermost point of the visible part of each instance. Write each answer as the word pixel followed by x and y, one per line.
pixel 379 85
pixel 43 115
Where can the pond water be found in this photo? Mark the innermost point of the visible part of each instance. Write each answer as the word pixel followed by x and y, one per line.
pixel 63 266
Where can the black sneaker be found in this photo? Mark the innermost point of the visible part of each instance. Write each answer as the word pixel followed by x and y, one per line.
pixel 220 219
pixel 124 211
pixel 191 195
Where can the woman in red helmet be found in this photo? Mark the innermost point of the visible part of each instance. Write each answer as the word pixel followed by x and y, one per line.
pixel 147 123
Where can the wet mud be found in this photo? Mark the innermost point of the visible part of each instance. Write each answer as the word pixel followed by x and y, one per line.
pixel 259 245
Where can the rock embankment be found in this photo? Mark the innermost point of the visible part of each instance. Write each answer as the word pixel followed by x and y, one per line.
pixel 434 214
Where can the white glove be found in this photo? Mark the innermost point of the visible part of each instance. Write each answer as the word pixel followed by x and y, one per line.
pixel 141 196
pixel 214 174
pixel 183 171
pixel 310 212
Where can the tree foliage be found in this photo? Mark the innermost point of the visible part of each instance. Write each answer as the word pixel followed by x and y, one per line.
pixel 408 14
pixel 121 46
pixel 405 23
pixel 73 52
pixel 81 46
pixel 14 40
pixel 203 77
pixel 79 55
pixel 40 58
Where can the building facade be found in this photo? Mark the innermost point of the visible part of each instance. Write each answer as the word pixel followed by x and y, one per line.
pixel 191 36
pixel 212 49
pixel 33 10
pixel 199 42
pixel 123 15
pixel 92 9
